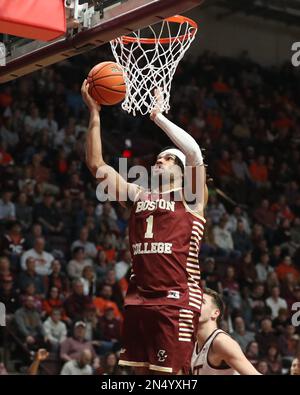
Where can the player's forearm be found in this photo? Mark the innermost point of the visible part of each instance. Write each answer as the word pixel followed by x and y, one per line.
pixel 94 158
pixel 185 142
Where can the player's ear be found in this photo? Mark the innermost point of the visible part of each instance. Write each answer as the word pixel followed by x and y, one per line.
pixel 215 315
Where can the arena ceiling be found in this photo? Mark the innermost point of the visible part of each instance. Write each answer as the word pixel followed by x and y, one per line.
pixel 284 11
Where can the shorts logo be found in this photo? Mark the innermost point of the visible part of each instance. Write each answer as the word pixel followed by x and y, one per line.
pixel 162 355
pixel 173 295
pixel 122 350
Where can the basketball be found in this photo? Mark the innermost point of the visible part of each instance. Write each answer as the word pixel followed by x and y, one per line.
pixel 107 85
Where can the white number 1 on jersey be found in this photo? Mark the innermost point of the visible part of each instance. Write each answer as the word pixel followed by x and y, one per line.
pixel 149 233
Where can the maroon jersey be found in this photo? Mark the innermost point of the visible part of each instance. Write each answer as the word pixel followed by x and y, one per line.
pixel 165 238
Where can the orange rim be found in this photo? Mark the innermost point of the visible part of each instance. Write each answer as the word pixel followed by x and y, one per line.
pixel 173 19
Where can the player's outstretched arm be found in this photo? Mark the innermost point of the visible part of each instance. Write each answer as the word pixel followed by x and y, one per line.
pixel 117 185
pixel 229 351
pixel 196 175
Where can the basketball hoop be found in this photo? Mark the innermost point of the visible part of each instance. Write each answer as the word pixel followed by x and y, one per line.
pixel 150 62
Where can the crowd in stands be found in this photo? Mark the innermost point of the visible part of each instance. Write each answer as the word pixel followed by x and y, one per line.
pixel 65 257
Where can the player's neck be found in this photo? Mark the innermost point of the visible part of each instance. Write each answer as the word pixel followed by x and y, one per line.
pixel 204 331
pixel 169 187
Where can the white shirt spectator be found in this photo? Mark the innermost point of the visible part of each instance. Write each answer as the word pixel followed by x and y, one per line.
pixel 275 305
pixel 223 238
pixel 75 268
pixel 42 261
pixel 55 331
pixel 215 212
pixel 35 124
pixel 72 368
pixel 263 271
pixel 90 249
pixel 50 124
pixel 7 210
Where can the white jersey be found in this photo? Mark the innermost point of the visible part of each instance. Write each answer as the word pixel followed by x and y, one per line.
pixel 200 364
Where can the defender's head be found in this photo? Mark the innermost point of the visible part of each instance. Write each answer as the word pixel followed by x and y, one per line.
pixel 212 307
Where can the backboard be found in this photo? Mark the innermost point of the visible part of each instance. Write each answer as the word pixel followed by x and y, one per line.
pixel 98 23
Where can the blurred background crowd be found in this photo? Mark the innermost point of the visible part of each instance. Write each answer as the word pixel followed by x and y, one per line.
pixel 64 256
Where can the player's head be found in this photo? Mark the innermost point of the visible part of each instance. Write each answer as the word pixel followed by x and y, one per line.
pixel 170 163
pixel 212 307
pixel 295 367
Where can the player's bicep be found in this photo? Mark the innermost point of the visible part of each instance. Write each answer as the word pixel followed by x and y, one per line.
pixel 113 186
pixel 233 355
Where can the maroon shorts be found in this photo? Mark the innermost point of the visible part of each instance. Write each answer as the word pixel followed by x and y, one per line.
pixel 160 338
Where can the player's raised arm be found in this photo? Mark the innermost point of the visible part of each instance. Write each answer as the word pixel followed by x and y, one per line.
pixel 229 351
pixel 120 188
pixel 196 175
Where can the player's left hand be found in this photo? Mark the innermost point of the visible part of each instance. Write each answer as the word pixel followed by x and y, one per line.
pixel 159 104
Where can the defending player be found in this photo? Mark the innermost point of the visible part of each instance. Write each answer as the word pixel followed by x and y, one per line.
pixel 164 298
pixel 215 352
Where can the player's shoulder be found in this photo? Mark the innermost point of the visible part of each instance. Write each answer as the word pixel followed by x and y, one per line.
pixel 224 342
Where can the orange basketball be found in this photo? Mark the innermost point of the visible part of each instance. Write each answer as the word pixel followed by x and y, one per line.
pixel 107 84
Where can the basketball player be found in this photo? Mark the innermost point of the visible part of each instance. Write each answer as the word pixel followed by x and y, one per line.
pixel 164 298
pixel 215 352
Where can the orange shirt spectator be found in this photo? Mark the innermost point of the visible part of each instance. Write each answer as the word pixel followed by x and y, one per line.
pixel 285 267
pixel 104 301
pixel 258 170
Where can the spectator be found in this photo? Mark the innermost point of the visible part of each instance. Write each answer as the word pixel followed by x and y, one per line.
pixel 281 321
pixel 263 268
pixel 252 352
pixel 231 289
pixel 210 276
pixel 8 296
pixel 89 247
pixel 52 302
pixel 110 365
pixel 42 258
pixel 263 367
pixel 273 359
pixel 24 211
pixel 275 302
pixel 55 329
pixel 72 347
pixel 12 243
pixel 295 367
pixel 266 336
pixel 40 356
pixel 80 367
pixel 58 279
pixel 78 263
pixel 288 341
pixel 77 302
pixel 241 240
pixel 215 210
pixel 7 207
pixel 104 301
pixel 48 216
pixel 29 325
pixel 240 334
pixel 111 328
pixel 222 237
pixel 286 267
pixel 247 271
pixel 29 276
pixel 89 281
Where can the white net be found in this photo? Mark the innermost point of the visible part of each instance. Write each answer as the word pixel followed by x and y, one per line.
pixel 150 63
